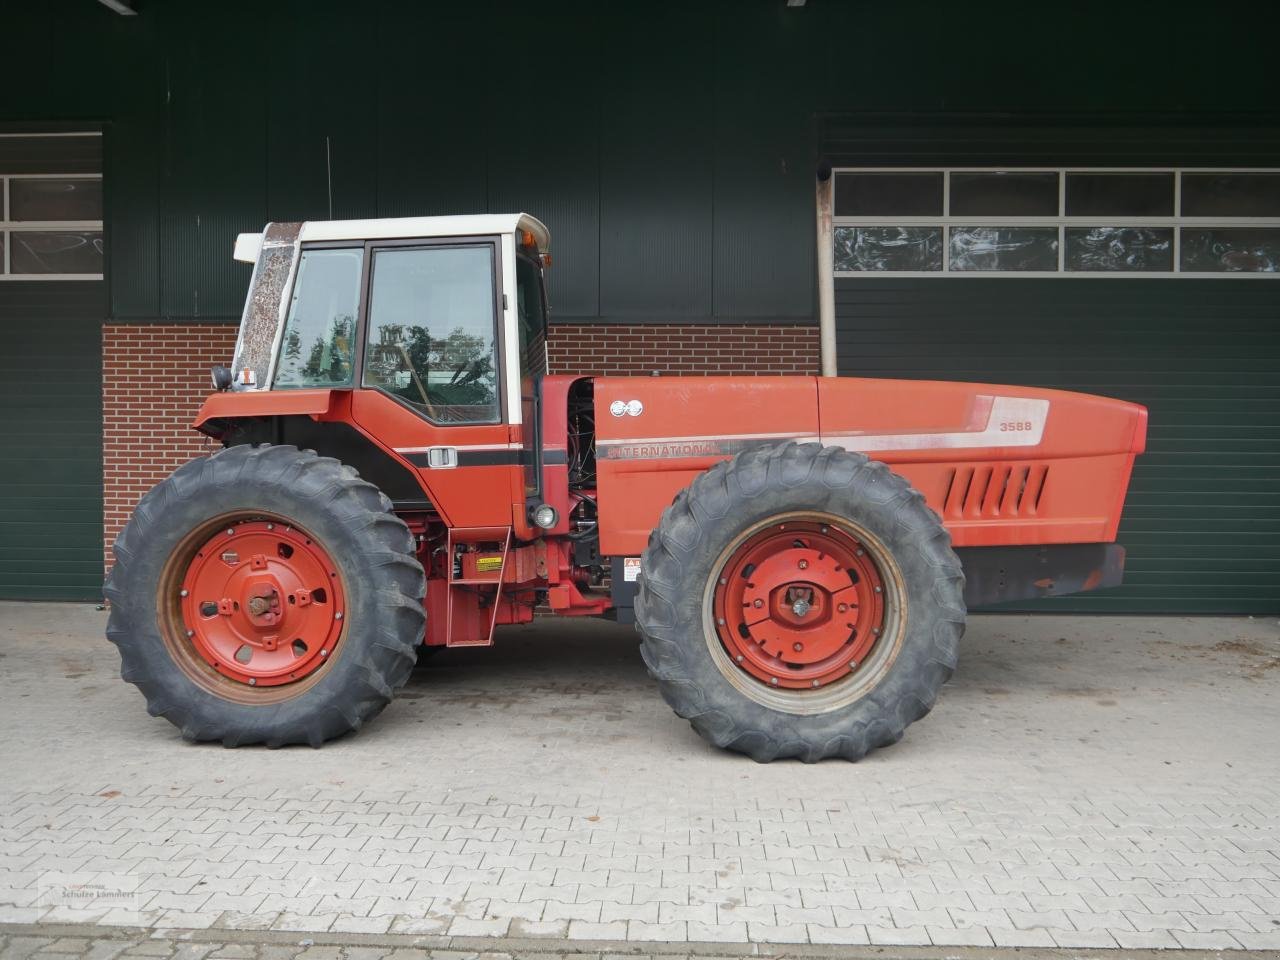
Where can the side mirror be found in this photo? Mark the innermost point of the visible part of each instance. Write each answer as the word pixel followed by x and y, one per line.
pixel 221 377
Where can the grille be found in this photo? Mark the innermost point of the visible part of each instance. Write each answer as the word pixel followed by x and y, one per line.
pixel 998 490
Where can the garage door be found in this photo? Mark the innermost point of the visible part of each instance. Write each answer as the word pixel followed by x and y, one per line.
pixel 1158 286
pixel 52 304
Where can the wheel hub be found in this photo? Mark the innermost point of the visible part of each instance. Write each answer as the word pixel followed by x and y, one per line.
pixel 799 605
pixel 262 603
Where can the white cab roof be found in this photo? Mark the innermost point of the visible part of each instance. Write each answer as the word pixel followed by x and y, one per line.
pixel 479 225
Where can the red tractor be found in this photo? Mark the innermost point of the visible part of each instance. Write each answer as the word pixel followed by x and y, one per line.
pixel 398 470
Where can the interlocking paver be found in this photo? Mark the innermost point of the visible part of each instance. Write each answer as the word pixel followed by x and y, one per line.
pixel 1088 846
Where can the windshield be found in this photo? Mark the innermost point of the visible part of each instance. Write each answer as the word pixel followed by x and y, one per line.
pixel 531 313
pixel 318 346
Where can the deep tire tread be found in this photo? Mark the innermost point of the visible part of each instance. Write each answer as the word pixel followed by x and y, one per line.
pixel 379 647
pixel 669 608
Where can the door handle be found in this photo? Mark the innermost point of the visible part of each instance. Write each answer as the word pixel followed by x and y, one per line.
pixel 442 458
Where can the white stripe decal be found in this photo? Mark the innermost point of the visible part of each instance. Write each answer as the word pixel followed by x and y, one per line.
pixel 1010 422
pixel 993 422
pixel 702 439
pixel 462 446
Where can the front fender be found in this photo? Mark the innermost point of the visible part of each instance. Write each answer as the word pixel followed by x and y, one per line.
pixel 221 408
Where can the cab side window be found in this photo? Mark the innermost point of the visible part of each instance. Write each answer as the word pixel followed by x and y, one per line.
pixel 531 316
pixel 318 346
pixel 432 331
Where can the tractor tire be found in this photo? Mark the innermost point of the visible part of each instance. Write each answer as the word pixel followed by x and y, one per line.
pixel 267 595
pixel 800 601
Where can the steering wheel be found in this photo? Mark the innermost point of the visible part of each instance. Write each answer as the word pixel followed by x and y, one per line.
pixel 417 382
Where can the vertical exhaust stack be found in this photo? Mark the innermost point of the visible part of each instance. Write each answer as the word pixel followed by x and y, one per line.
pixel 826 270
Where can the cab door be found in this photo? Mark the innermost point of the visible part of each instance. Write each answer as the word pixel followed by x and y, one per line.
pixel 432 356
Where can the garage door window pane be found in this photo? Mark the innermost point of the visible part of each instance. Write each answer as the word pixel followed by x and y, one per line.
pixel 318 347
pixel 1231 194
pixel 1004 248
pixel 888 248
pixel 888 195
pixel 67 199
pixel 1120 194
pixel 55 251
pixel 1009 194
pixel 1111 249
pixel 1231 250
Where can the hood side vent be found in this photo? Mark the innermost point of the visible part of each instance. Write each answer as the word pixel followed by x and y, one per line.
pixel 991 491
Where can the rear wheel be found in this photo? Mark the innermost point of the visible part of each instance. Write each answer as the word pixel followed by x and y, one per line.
pixel 265 595
pixel 800 602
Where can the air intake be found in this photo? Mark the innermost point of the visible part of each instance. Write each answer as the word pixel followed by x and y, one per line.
pixel 987 492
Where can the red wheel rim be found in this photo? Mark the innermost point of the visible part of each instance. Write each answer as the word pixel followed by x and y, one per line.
pixel 799 605
pixel 261 602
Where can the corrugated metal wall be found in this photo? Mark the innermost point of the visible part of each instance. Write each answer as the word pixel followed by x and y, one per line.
pixel 1202 521
pixel 1203 514
pixel 669 145
pixel 666 147
pixel 51 440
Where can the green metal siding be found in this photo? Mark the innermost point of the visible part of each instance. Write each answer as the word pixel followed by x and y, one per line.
pixel 51 440
pixel 1202 521
pixel 668 145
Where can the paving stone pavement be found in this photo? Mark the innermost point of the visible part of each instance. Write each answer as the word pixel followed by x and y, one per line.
pixel 83 942
pixel 1084 783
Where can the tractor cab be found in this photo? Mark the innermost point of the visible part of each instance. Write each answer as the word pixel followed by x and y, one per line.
pixel 414 350
pixel 430 331
pixel 446 308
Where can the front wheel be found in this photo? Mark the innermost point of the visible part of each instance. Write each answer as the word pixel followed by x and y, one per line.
pixel 265 595
pixel 801 601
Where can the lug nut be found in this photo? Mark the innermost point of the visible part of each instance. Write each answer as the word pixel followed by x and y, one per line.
pixel 878 590
pixel 803 564
pixel 797 647
pixel 861 551
pixel 738 658
pixel 843 607
pixel 338 615
pixel 230 532
pixel 876 631
pixel 774 681
pixel 758 604
pixel 815 683
pixel 182 593
pixel 324 653
pixel 191 633
pixel 253 681
pixel 271 526
pixel 720 620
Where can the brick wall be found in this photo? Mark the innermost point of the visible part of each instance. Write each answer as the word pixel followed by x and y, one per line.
pixel 155 377
pixel 698 349
pixel 153 381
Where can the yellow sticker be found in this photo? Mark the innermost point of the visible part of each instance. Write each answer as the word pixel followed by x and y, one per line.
pixel 488 564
